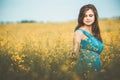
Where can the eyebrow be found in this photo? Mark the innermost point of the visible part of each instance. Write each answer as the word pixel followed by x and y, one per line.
pixel 91 13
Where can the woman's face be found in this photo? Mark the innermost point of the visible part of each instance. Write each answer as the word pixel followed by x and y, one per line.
pixel 89 18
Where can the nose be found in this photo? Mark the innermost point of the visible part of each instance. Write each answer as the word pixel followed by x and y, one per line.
pixel 88 18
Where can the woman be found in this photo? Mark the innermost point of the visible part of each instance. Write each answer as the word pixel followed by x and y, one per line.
pixel 87 43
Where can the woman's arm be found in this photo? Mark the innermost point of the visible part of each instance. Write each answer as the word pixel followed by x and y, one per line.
pixel 76 42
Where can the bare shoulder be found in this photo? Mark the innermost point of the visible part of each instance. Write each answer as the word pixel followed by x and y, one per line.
pixel 78 35
pixel 78 32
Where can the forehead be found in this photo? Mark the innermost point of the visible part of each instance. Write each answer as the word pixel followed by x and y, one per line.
pixel 90 11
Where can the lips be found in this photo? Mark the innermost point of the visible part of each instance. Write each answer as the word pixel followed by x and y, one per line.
pixel 88 21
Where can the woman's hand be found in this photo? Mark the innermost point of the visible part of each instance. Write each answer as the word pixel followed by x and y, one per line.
pixel 72 55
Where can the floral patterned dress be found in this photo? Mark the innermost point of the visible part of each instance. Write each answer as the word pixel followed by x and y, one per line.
pixel 89 57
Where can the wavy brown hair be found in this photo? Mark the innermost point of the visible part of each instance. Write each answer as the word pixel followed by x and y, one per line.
pixel 95 25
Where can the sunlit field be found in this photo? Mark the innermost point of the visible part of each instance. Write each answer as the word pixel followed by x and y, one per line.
pixel 40 51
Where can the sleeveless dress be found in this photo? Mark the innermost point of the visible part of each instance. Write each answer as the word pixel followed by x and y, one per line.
pixel 89 57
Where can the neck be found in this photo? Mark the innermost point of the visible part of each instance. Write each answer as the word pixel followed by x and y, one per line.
pixel 88 28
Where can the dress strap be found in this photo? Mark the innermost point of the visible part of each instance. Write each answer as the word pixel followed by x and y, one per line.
pixel 86 33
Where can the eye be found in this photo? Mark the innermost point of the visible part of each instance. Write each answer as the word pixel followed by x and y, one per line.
pixel 90 15
pixel 85 16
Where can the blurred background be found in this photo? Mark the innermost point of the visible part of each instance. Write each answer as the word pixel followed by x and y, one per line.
pixel 53 10
pixel 36 37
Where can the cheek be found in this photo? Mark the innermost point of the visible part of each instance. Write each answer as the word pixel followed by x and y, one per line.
pixel 84 19
pixel 93 18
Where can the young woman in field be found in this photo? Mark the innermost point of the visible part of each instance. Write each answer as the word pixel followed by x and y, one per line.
pixel 87 43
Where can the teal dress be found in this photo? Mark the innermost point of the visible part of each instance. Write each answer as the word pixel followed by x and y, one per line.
pixel 89 57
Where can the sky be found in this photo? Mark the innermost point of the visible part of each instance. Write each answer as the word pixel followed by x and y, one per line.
pixel 54 10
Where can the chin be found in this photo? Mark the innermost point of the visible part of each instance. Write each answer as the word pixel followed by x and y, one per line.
pixel 88 24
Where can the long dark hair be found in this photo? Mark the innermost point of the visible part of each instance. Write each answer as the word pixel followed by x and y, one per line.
pixel 95 25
